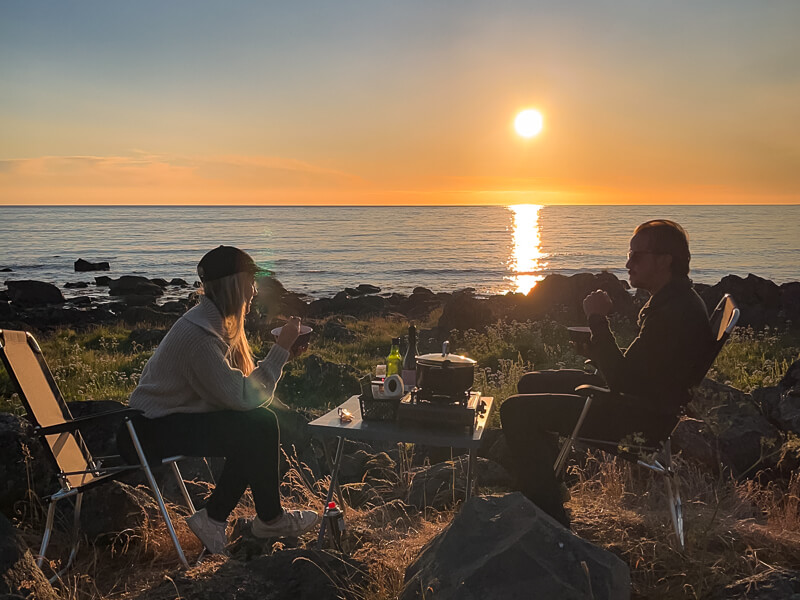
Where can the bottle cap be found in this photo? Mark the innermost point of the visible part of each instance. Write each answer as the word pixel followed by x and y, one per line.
pixel 331 505
pixel 395 341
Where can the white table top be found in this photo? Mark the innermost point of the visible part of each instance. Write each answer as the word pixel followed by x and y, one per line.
pixel 329 425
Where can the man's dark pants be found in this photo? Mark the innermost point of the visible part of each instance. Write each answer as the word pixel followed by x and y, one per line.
pixel 547 405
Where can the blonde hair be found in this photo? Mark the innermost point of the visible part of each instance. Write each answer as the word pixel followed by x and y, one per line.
pixel 229 295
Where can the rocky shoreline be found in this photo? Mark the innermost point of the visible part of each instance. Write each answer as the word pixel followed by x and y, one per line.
pixel 41 306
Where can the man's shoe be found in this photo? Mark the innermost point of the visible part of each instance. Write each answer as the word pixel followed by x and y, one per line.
pixel 291 523
pixel 210 532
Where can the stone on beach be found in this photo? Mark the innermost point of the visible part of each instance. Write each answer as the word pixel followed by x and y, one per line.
pixel 20 577
pixel 30 292
pixel 85 265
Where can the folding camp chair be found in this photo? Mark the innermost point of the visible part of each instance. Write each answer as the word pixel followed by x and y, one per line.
pixel 76 469
pixel 722 321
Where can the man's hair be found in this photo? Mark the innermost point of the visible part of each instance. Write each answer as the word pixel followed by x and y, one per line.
pixel 667 237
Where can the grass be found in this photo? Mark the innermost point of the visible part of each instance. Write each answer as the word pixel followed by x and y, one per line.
pixel 734 528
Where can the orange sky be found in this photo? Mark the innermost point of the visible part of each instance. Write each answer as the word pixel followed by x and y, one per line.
pixel 409 103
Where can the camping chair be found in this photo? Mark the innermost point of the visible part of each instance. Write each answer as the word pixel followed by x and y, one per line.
pixel 722 320
pixel 76 469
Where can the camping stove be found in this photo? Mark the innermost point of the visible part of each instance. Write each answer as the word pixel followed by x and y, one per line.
pixel 461 411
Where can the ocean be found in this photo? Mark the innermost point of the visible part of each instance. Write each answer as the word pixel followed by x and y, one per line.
pixel 320 250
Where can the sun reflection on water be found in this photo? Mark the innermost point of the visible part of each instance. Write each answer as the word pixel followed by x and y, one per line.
pixel 527 261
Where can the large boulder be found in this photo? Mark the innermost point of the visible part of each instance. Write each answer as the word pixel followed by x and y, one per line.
pixel 440 485
pixel 561 297
pixel 295 573
pixel 23 464
pixel 273 299
pixel 114 508
pixel 21 578
pixel 29 292
pixel 133 285
pixel 463 311
pixel 759 299
pixel 85 265
pixel 746 439
pixel 505 547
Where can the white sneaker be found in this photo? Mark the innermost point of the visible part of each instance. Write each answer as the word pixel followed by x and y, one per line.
pixel 292 523
pixel 210 532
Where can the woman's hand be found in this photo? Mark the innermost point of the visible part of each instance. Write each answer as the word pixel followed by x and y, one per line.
pixel 289 333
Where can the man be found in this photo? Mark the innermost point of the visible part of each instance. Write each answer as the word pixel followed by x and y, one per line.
pixel 657 369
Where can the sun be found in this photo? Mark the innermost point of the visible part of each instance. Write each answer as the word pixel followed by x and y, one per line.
pixel 529 123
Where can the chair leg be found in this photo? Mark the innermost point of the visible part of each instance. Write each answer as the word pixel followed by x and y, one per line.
pixel 563 454
pixel 673 496
pixel 157 492
pixel 48 529
pixel 182 485
pixel 76 528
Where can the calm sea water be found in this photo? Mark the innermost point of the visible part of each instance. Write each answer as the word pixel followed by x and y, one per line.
pixel 320 250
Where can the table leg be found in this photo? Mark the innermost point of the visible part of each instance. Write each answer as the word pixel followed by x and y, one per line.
pixel 333 485
pixel 470 472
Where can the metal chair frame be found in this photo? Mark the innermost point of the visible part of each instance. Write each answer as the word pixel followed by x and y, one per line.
pixel 723 320
pixel 76 469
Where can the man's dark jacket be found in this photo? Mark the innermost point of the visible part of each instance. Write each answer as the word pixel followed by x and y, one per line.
pixel 669 355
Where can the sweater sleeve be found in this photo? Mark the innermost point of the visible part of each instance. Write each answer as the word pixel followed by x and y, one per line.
pixel 227 388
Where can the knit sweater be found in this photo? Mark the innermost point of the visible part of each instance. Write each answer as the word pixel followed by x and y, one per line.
pixel 189 371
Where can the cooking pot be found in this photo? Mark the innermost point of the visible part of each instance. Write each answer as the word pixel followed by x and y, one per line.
pixel 445 375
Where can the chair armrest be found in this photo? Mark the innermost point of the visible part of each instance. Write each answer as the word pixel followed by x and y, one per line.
pixel 76 424
pixel 588 390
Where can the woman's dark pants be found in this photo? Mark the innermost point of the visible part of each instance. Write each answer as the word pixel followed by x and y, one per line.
pixel 547 405
pixel 249 441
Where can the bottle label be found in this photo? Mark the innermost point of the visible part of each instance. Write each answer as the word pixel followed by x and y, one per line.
pixel 409 379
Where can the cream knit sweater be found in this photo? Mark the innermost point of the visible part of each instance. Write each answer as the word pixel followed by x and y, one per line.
pixel 189 371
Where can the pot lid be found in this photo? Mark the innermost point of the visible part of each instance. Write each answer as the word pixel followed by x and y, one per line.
pixel 438 358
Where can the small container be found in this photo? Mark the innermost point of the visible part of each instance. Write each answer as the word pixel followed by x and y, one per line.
pixel 378 409
pixel 334 523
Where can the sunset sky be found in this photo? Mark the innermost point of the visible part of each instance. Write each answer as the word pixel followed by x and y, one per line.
pixel 386 102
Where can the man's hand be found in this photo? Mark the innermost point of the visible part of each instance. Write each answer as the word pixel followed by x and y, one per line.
pixel 597 303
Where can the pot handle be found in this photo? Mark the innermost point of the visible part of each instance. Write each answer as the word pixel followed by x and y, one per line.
pixel 446 348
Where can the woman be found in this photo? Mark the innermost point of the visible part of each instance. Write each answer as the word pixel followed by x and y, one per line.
pixel 202 395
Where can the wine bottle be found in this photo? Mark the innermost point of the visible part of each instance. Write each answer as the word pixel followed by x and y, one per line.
pixel 410 361
pixel 394 362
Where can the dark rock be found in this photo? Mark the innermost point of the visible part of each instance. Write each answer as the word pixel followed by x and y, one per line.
pixel 80 301
pixel 76 285
pixel 337 331
pixel 747 440
pixel 138 300
pixel 175 306
pixel 293 573
pixel 6 270
pixel 343 304
pixel 462 311
pixel 273 299
pixel 100 435
pixel 128 285
pixel 423 291
pixel 179 282
pixel 776 583
pixel 781 403
pixel 28 292
pixel 505 547
pixel 6 310
pixel 85 265
pixel 759 300
pixel 160 282
pixel 21 578
pixel 420 304
pixel 561 297
pixel 694 440
pixel 366 288
pixel 102 281
pixel 116 507
pixel 439 486
pixel 23 462
pixel 142 314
